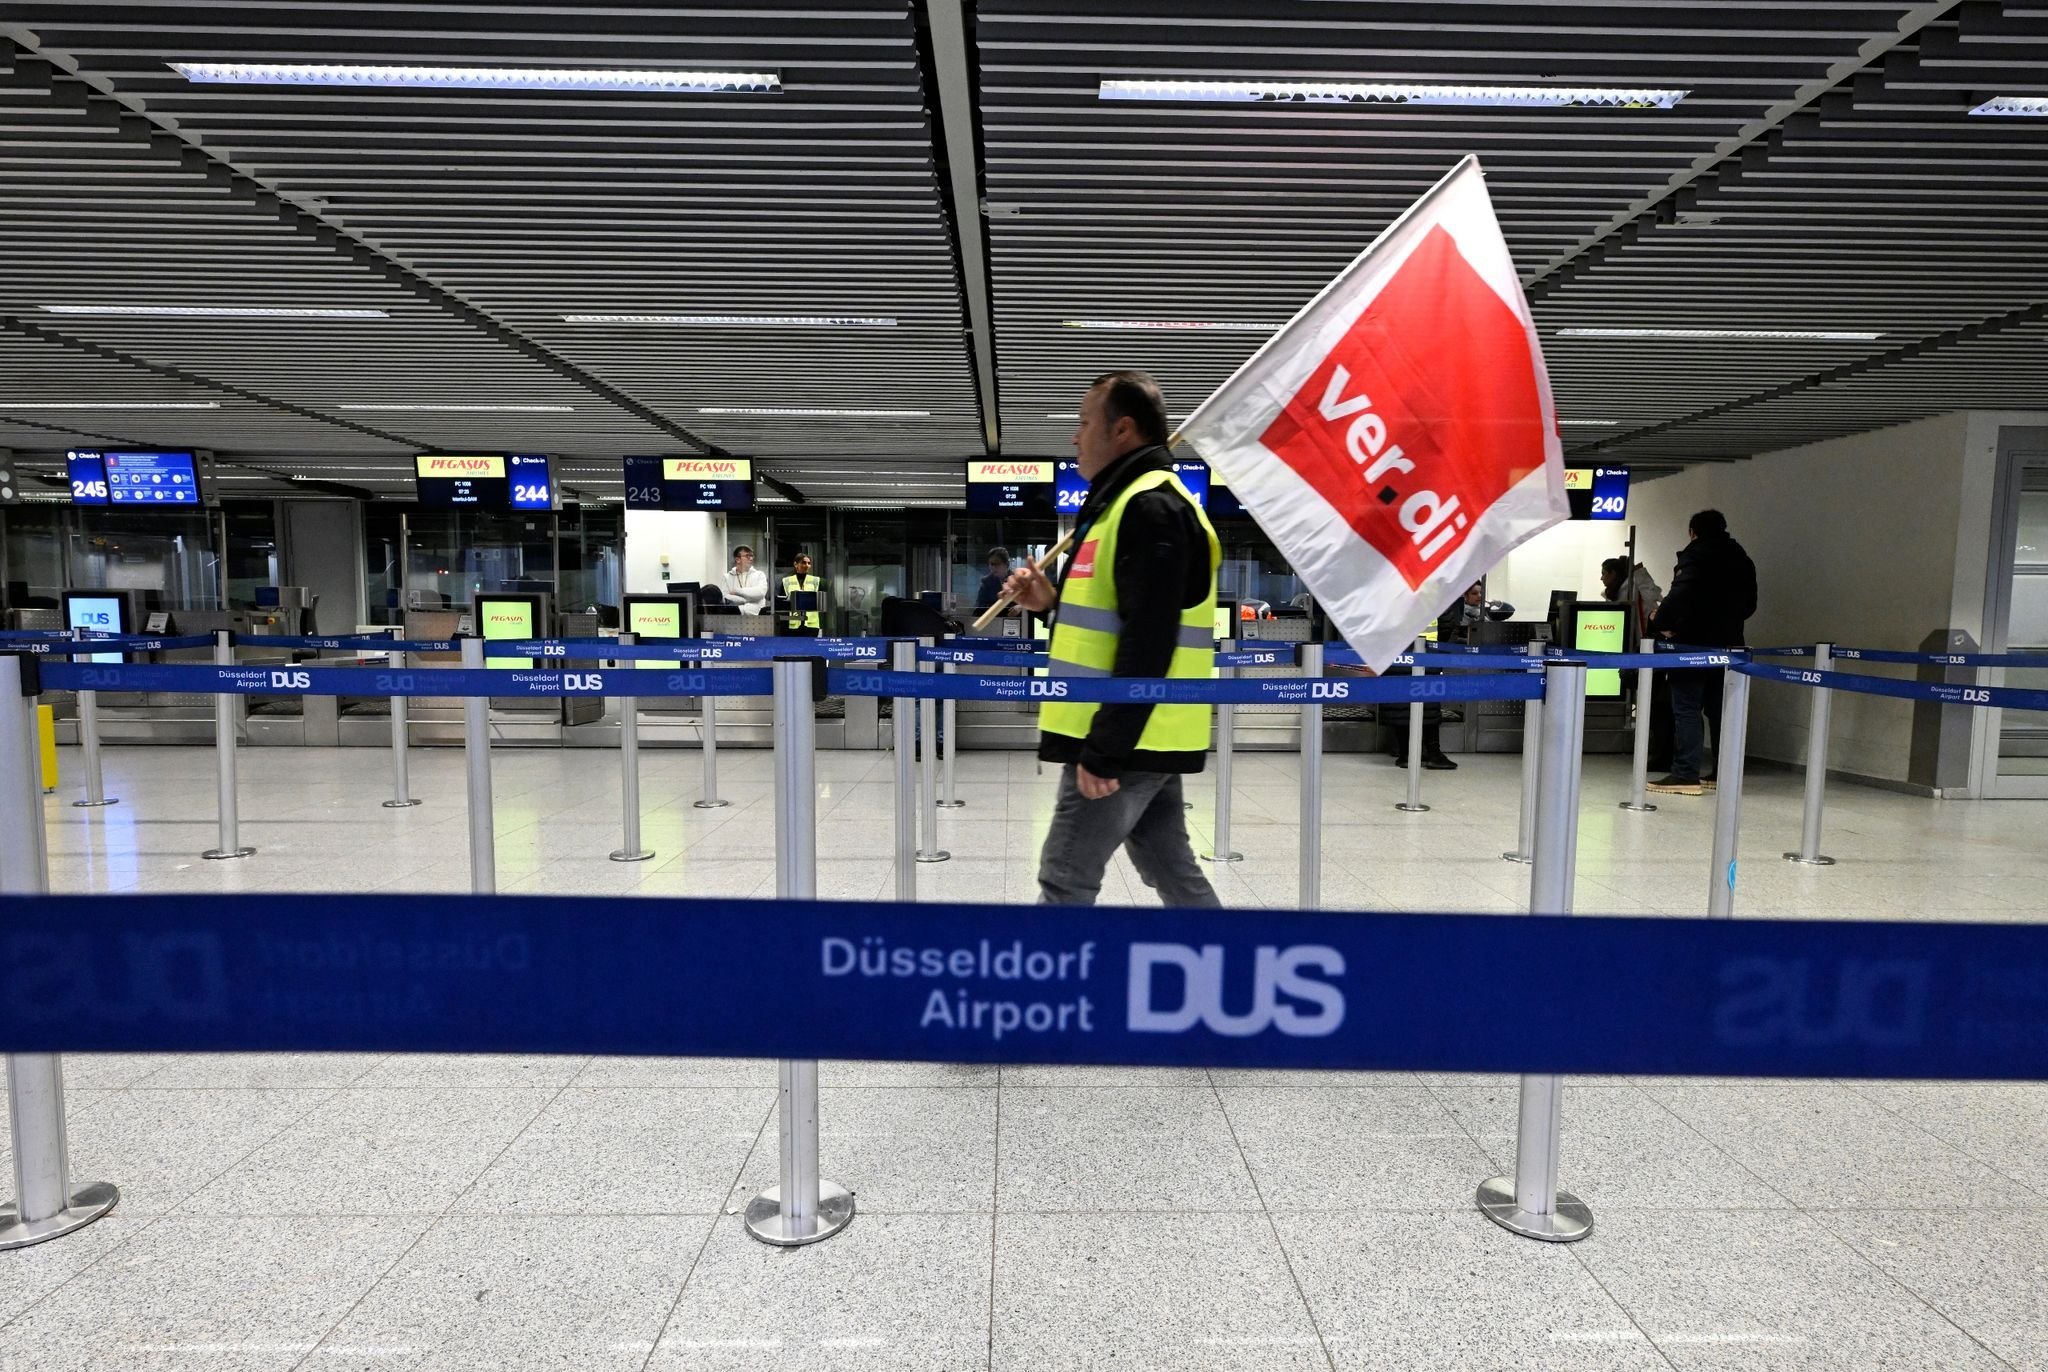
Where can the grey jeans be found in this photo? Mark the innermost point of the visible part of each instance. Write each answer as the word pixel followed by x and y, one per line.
pixel 1144 816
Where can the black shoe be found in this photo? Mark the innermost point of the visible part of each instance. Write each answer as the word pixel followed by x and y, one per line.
pixel 1437 762
pixel 1400 759
pixel 1677 786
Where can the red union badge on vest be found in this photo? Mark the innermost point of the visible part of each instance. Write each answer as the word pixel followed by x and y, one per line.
pixel 1398 436
pixel 1084 562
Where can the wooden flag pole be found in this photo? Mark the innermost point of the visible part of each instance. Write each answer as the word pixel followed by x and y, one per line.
pixel 1052 554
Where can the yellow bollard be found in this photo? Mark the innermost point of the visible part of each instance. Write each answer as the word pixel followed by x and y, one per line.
pixel 46 736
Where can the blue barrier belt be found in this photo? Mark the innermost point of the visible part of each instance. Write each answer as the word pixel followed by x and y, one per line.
pixel 1183 691
pixel 200 679
pixel 348 643
pixel 2021 660
pixel 2004 697
pixel 982 657
pixel 112 643
pixel 740 649
pixel 1257 657
pixel 1790 651
pixel 866 649
pixel 1662 662
pixel 968 983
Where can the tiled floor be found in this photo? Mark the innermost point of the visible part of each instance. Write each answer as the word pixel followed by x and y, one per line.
pixel 284 1211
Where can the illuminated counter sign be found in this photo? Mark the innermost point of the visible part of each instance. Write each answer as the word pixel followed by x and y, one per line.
pixel 449 480
pixel 154 480
pixel 88 473
pixel 1070 489
pixel 508 616
pixel 1601 628
pixel 689 483
pixel 532 486
pixel 651 617
pixel 1007 485
pixel 1597 492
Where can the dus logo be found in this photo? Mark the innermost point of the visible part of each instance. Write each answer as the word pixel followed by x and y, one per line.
pixel 1050 690
pixel 297 681
pixel 710 652
pixel 1881 1004
pixel 1276 972
pixel 583 681
pixel 1329 690
pixel 57 979
pixel 689 681
pixel 1977 696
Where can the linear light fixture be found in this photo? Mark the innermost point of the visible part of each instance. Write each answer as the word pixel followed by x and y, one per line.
pixel 1775 335
pixel 1589 423
pixel 2036 105
pixel 744 321
pixel 1393 93
pixel 109 404
pixel 1171 325
pixel 1171 419
pixel 464 409
pixel 478 78
pixel 763 410
pixel 217 311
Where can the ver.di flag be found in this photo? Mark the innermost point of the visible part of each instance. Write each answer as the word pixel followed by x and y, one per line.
pixel 1398 436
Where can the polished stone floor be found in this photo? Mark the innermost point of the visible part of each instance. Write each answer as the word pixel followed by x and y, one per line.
pixel 285 1211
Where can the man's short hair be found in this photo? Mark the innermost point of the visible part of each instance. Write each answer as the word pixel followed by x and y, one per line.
pixel 1133 395
pixel 743 548
pixel 998 554
pixel 1708 523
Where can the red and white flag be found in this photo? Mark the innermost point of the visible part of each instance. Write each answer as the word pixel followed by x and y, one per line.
pixel 1398 436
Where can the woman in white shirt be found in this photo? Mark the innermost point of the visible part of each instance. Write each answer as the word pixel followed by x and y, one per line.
pixel 746 585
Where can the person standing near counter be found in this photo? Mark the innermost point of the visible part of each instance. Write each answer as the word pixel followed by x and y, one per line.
pixel 802 623
pixel 746 585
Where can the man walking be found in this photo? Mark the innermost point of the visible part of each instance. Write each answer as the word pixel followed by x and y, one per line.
pixel 1137 598
pixel 1712 596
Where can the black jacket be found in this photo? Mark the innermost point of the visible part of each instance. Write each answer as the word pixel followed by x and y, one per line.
pixel 1712 595
pixel 1162 568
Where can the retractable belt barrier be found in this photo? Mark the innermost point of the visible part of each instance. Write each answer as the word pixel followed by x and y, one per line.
pixel 2001 697
pixel 955 983
pixel 426 681
pixel 981 657
pixel 1178 691
pixel 760 649
pixel 350 643
pixel 109 643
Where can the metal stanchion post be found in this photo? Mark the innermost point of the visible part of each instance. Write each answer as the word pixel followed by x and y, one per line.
pixel 629 773
pixel 1532 768
pixel 1413 805
pixel 1529 1203
pixel 401 778
pixel 1816 765
pixel 949 743
pixel 224 712
pixel 1226 729
pixel 1734 744
pixel 1311 878
pixel 928 774
pixel 1639 789
pixel 903 658
pixel 476 751
pixel 801 1208
pixel 707 736
pixel 45 1204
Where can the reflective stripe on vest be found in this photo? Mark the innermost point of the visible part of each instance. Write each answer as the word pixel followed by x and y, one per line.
pixel 1087 623
pixel 807 619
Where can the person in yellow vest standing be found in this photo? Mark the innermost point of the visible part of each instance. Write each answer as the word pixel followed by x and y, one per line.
pixel 1136 598
pixel 802 623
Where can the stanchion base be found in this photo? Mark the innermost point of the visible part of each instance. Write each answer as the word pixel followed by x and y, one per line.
pixel 1815 861
pixel 1643 809
pixel 1570 1222
pixel 940 856
pixel 764 1216
pixel 92 804
pixel 88 1203
pixel 626 855
pixel 1222 857
pixel 952 804
pixel 1405 808
pixel 1522 858
pixel 400 804
pixel 223 854
pixel 709 804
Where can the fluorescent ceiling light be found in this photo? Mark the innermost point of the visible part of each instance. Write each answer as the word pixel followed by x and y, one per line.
pixel 831 414
pixel 477 78
pixel 764 321
pixel 109 404
pixel 2036 105
pixel 1171 419
pixel 1171 325
pixel 466 409
pixel 1393 93
pixel 1792 335
pixel 217 311
pixel 1590 423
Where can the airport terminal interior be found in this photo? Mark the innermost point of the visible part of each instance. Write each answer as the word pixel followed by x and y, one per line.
pixel 347 351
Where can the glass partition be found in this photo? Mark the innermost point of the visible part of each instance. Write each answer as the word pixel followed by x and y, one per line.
pixel 168 559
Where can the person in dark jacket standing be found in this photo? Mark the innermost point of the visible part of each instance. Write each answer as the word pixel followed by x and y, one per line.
pixel 1136 598
pixel 1712 596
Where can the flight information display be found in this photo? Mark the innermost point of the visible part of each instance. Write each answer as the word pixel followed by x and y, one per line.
pixel 689 483
pixel 1004 485
pixel 486 482
pixel 1597 492
pixel 156 480
pixel 1223 502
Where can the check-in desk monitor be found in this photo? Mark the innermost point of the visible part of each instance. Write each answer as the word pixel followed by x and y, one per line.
pixel 653 617
pixel 99 612
pixel 1599 626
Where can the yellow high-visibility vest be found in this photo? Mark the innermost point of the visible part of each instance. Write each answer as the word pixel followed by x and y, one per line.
pixel 801 619
pixel 1086 625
